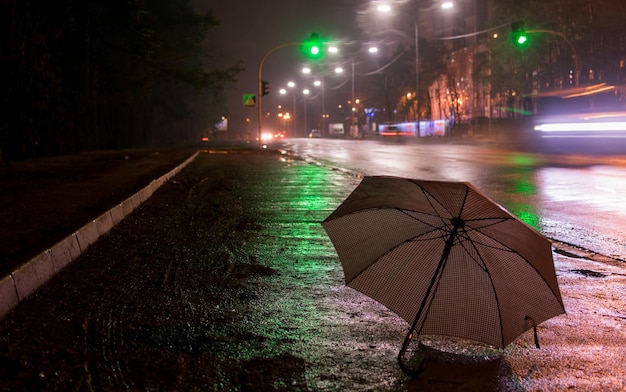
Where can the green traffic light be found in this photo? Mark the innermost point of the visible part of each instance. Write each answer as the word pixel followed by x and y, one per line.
pixel 518 33
pixel 313 47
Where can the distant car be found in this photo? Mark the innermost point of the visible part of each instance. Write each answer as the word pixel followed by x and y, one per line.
pixel 315 133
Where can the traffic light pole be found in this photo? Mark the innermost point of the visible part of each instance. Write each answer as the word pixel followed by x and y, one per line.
pixel 571 45
pixel 260 87
pixel 558 34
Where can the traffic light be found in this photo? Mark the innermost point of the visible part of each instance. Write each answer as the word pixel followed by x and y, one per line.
pixel 313 47
pixel 518 34
pixel 266 88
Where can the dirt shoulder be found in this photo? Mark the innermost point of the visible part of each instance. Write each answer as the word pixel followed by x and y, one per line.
pixel 44 200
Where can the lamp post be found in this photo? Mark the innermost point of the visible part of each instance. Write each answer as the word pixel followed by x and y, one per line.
pixel 283 91
pixel 320 84
pixel 285 117
pixel 352 107
pixel 417 76
pixel 305 93
pixel 571 46
pixel 386 9
pixel 260 86
pixel 339 70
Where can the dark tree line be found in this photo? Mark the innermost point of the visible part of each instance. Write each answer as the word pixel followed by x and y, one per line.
pixel 80 75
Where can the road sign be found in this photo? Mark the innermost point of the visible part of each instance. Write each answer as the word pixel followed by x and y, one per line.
pixel 249 100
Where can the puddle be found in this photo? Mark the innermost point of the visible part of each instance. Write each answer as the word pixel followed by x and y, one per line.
pixel 589 273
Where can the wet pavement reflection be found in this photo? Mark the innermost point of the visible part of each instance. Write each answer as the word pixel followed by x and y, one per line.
pixel 575 199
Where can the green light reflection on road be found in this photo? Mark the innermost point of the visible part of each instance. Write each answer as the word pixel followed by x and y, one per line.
pixel 296 311
pixel 524 189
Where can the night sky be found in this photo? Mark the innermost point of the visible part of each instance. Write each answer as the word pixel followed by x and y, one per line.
pixel 248 29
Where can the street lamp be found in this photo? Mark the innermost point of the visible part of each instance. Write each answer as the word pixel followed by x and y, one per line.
pixel 384 8
pixel 320 83
pixel 354 132
pixel 446 5
pixel 283 91
pixel 387 9
pixel 305 92
pixel 285 117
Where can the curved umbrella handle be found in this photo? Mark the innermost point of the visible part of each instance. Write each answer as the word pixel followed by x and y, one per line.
pixel 402 361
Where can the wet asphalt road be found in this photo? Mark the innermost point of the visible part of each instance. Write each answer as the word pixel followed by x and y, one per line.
pixel 576 198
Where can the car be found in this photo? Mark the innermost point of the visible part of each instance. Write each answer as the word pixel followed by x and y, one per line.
pixel 315 133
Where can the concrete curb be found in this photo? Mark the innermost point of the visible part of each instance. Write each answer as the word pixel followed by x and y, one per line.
pixel 29 277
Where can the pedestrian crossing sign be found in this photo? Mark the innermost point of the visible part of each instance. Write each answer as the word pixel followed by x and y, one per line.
pixel 249 100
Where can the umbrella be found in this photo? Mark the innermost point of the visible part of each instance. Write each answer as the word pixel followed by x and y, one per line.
pixel 445 258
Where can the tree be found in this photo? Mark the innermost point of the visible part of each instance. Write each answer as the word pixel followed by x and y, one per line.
pixel 92 74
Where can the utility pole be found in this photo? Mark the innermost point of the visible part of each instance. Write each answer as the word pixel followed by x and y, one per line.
pixel 260 87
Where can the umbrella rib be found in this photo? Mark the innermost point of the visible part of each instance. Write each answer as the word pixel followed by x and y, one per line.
pixel 429 296
pixel 414 239
pixel 556 295
pixel 421 237
pixel 510 250
pixel 411 239
pixel 495 295
pixel 495 221
pixel 434 283
pixel 443 222
pixel 467 233
pixel 431 198
pixel 404 211
pixel 480 261
pixel 483 265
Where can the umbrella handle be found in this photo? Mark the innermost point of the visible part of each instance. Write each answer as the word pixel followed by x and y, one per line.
pixel 402 360
pixel 528 318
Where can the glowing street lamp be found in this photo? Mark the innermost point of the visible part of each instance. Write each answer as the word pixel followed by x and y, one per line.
pixel 305 92
pixel 284 91
pixel 447 5
pixel 384 8
pixel 387 9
